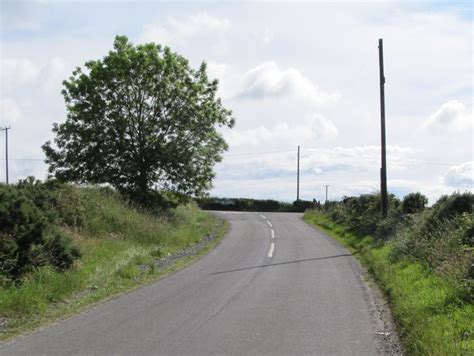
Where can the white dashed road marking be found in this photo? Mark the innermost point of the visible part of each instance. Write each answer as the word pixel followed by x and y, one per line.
pixel 272 248
pixel 273 234
pixel 269 223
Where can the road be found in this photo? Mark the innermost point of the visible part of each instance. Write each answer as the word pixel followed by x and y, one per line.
pixel 274 285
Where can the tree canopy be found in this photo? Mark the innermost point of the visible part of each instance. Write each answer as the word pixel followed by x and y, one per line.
pixel 140 117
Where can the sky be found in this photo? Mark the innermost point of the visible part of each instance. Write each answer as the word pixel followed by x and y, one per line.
pixel 293 73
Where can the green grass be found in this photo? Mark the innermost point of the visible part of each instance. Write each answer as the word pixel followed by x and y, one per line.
pixel 119 246
pixel 432 316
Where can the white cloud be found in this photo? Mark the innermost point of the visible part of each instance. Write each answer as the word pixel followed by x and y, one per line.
pixel 17 71
pixel 313 128
pixel 300 39
pixel 228 76
pixel 267 36
pixel 358 159
pixel 201 22
pixel 217 70
pixel 21 71
pixel 53 73
pixel 19 15
pixel 461 176
pixel 267 80
pixel 451 116
pixel 9 111
pixel 368 157
pixel 183 30
pixel 349 170
pixel 319 162
pixel 155 33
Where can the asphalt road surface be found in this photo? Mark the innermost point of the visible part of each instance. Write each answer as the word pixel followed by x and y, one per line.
pixel 274 285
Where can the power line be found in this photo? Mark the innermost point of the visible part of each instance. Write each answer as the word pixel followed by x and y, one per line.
pixel 418 162
pixel 23 159
pixel 256 153
pixel 408 162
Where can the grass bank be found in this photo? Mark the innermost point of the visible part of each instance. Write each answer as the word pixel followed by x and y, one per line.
pixel 431 312
pixel 119 247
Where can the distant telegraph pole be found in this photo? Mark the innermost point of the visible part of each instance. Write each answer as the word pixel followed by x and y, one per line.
pixel 298 176
pixel 6 149
pixel 326 201
pixel 383 169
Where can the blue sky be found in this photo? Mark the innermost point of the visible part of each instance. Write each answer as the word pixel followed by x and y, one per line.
pixel 293 73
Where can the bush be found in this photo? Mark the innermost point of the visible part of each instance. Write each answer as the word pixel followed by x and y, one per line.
pixel 450 206
pixel 388 227
pixel 414 203
pixel 22 227
pixel 362 215
pixel 442 247
pixel 303 205
pixel 71 206
pixel 28 238
pixel 441 237
pixel 60 251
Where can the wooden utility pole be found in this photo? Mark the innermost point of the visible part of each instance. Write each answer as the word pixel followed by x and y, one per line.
pixel 298 176
pixel 326 201
pixel 6 150
pixel 383 169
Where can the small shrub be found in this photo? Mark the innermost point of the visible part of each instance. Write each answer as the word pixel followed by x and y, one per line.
pixel 129 271
pixel 362 215
pixel 303 205
pixel 27 236
pixel 388 227
pixel 441 247
pixel 61 252
pixel 22 229
pixel 71 207
pixel 450 206
pixel 414 203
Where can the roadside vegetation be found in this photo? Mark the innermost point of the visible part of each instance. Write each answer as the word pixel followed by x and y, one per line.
pixel 64 247
pixel 144 123
pixel 423 260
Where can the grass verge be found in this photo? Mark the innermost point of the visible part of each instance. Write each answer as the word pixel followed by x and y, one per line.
pixel 120 246
pixel 431 317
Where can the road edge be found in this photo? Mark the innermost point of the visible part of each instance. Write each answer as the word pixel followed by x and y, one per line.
pixel 386 337
pixel 78 305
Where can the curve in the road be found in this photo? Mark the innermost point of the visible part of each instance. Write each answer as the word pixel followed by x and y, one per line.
pixel 299 293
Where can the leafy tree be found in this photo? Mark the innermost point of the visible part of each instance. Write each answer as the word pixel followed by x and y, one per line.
pixel 414 203
pixel 140 117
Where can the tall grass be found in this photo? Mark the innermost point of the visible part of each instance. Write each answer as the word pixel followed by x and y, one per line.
pixel 119 246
